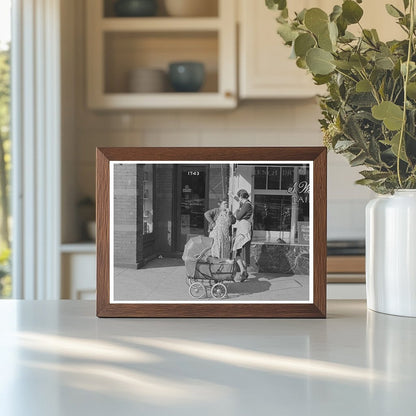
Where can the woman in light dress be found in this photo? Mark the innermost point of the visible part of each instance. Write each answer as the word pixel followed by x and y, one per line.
pixel 219 223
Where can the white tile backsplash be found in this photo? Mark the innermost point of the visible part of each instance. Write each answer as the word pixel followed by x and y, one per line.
pixel 346 219
pixel 257 123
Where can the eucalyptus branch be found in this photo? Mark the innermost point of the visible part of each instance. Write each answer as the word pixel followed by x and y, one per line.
pixel 346 75
pixel 373 88
pixel 392 91
pixel 398 95
pixel 406 79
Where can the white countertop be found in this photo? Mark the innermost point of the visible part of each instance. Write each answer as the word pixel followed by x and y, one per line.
pixel 57 358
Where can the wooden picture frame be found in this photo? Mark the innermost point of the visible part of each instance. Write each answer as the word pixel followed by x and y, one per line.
pixel 263 165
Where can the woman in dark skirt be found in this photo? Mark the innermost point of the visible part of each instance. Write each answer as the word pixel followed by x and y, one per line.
pixel 244 217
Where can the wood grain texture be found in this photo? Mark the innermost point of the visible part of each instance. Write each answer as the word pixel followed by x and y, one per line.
pixel 317 309
pixel 103 231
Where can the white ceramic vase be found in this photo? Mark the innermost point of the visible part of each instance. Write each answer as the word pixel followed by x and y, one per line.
pixel 391 253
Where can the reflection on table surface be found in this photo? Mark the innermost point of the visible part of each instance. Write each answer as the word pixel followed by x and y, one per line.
pixel 354 362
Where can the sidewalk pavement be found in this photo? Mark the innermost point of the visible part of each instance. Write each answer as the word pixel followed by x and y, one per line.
pixel 165 279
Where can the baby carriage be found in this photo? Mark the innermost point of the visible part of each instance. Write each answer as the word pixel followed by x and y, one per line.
pixel 204 272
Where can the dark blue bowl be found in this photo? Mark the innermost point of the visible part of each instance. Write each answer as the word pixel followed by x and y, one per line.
pixel 135 8
pixel 186 76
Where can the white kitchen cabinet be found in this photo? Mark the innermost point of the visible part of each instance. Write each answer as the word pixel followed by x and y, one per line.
pixel 118 45
pixel 78 262
pixel 265 69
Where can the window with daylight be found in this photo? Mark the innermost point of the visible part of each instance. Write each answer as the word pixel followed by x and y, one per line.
pixel 5 145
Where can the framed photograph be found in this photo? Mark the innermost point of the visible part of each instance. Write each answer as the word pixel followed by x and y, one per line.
pixel 211 232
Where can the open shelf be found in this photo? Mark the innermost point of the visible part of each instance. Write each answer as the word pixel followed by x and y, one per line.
pixel 119 45
pixel 126 51
pixel 160 24
pixel 167 100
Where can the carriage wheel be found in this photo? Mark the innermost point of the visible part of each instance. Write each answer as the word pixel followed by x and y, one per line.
pixel 197 290
pixel 218 291
pixel 190 280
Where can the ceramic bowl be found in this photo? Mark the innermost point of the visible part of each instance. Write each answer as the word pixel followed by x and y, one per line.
pixel 147 80
pixel 186 76
pixel 135 8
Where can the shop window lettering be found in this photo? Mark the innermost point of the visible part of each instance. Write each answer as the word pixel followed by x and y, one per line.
pixel 299 188
pixel 300 191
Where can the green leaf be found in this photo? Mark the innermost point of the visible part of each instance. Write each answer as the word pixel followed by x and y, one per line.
pixel 301 15
pixel 287 33
pixel 354 132
pixel 336 12
pixel 303 43
pixel 368 36
pixel 393 11
pixel 374 174
pixel 344 65
pixel 411 90
pixel 319 61
pixel 406 4
pixel 365 182
pixel 388 112
pixel 316 20
pixel 276 4
pixel 358 160
pixel 351 11
pixel 375 35
pixel 363 86
pixel 412 67
pixel 374 150
pixel 394 144
pixel 343 145
pixel 325 42
pixel 301 63
pixel 347 37
pixel 358 61
pixel 384 62
pixel 333 32
pixel 321 79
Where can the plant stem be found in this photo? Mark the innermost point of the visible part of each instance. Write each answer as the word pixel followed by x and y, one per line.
pixel 406 79
pixel 346 75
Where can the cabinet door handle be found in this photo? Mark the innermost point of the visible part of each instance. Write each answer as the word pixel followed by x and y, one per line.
pixel 229 94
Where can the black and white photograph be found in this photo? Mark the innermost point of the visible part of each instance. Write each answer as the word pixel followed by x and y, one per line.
pixel 211 232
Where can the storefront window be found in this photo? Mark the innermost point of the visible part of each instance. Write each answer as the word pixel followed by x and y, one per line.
pixel 147 199
pixel 281 203
pixel 272 212
pixel 273 177
pixel 288 174
pixel 260 177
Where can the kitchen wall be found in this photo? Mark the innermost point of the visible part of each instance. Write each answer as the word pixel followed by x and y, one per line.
pixel 253 123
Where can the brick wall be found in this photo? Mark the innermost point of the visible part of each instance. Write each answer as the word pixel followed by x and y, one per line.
pixel 164 208
pixel 128 214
